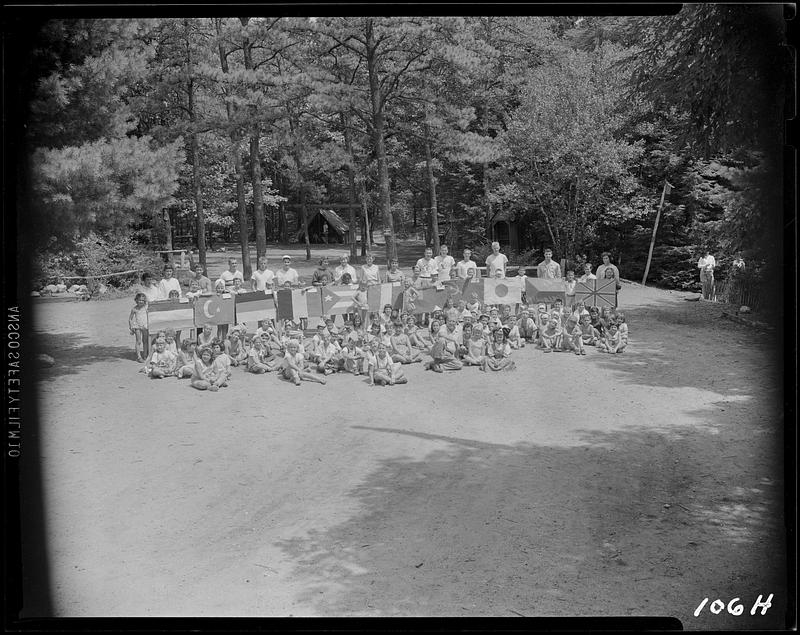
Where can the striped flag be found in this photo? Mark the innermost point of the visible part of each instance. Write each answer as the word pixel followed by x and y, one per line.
pixel 545 290
pixel 337 300
pixel 251 308
pixel 174 314
pixel 600 292
pixel 502 290
pixel 298 303
pixel 214 310
pixel 379 295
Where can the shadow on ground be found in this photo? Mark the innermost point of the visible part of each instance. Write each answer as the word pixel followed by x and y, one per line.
pixel 73 352
pixel 540 511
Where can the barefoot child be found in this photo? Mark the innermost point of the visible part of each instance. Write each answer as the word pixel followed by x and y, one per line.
pixel 293 367
pixel 256 358
pixel 498 354
pixel 572 339
pixel 137 322
pixel 550 336
pixel 383 371
pixel 611 342
pixel 205 376
pixel 589 334
pixel 401 347
pixel 352 357
pixel 162 362
pixel 476 348
pixel 185 365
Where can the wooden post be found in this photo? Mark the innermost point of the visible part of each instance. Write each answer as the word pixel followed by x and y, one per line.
pixel 655 229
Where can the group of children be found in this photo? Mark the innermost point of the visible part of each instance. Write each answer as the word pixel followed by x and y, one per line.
pixel 466 334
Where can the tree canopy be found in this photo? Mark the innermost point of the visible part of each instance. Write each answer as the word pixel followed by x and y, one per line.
pixel 434 126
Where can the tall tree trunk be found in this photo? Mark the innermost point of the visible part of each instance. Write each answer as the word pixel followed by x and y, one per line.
pixel 378 122
pixel 255 161
pixel 195 152
pixel 304 216
pixel 237 160
pixel 351 176
pixel 432 190
pixel 366 240
pixel 283 223
pixel 167 230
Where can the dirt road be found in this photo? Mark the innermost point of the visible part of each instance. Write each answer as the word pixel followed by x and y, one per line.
pixel 629 485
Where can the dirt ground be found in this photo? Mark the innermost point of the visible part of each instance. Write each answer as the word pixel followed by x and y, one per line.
pixel 636 484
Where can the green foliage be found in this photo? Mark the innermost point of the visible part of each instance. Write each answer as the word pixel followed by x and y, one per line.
pixel 103 185
pixel 95 255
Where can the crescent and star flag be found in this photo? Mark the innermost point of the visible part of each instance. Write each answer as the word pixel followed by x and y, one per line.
pixel 601 292
pixel 544 290
pixel 174 314
pixel 502 290
pixel 253 307
pixel 214 310
pixel 338 299
pixel 298 303
pixel 379 295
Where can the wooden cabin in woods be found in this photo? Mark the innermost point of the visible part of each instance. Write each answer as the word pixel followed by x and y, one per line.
pixel 505 229
pixel 324 226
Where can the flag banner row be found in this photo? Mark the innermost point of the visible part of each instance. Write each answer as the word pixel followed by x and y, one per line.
pixel 311 302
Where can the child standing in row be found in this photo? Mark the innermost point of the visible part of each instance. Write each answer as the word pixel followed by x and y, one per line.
pixel 137 322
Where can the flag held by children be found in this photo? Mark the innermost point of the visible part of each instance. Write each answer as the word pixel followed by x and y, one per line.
pixel 298 303
pixel 601 292
pixel 214 310
pixel 379 295
pixel 174 314
pixel 544 290
pixel 251 308
pixel 338 300
pixel 502 290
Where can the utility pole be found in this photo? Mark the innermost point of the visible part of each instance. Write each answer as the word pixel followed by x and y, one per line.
pixel 667 189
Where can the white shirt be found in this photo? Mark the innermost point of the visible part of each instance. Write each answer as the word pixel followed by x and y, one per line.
pixel 587 276
pixel 495 263
pixel 707 263
pixel 427 267
pixel 284 276
pixel 601 271
pixel 370 274
pixel 340 270
pixel 165 286
pixel 462 269
pixel 152 293
pixel 262 279
pixel 549 271
pixel 229 275
pixel 443 265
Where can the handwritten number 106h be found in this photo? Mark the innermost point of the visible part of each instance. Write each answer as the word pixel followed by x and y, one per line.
pixel 734 607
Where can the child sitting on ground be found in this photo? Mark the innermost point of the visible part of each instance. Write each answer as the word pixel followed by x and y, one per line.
pixel 185 363
pixel 383 371
pixel 328 355
pixel 234 347
pixel 589 334
pixel 498 353
pixel 222 363
pixel 596 322
pixel 611 342
pixel 572 337
pixel 526 327
pixel 401 347
pixel 476 347
pixel 293 365
pixel 622 327
pixel 205 337
pixel 443 357
pixel 256 359
pixel 352 357
pixel 510 329
pixel 205 375
pixel 550 336
pixel 162 361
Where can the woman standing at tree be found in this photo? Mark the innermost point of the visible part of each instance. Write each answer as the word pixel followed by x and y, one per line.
pixel 370 273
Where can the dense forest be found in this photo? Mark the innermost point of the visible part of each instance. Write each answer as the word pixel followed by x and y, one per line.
pixel 538 131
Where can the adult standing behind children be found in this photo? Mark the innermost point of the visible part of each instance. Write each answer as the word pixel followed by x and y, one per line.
pixel 231 272
pixel 168 283
pixel 370 273
pixel 149 288
pixel 342 268
pixel 706 266
pixel 548 269
pixel 203 281
pixel 587 273
pixel 444 264
pixel 287 273
pixel 496 262
pixel 322 276
pixel 463 267
pixel 393 273
pixel 601 270
pixel 262 277
pixel 427 264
